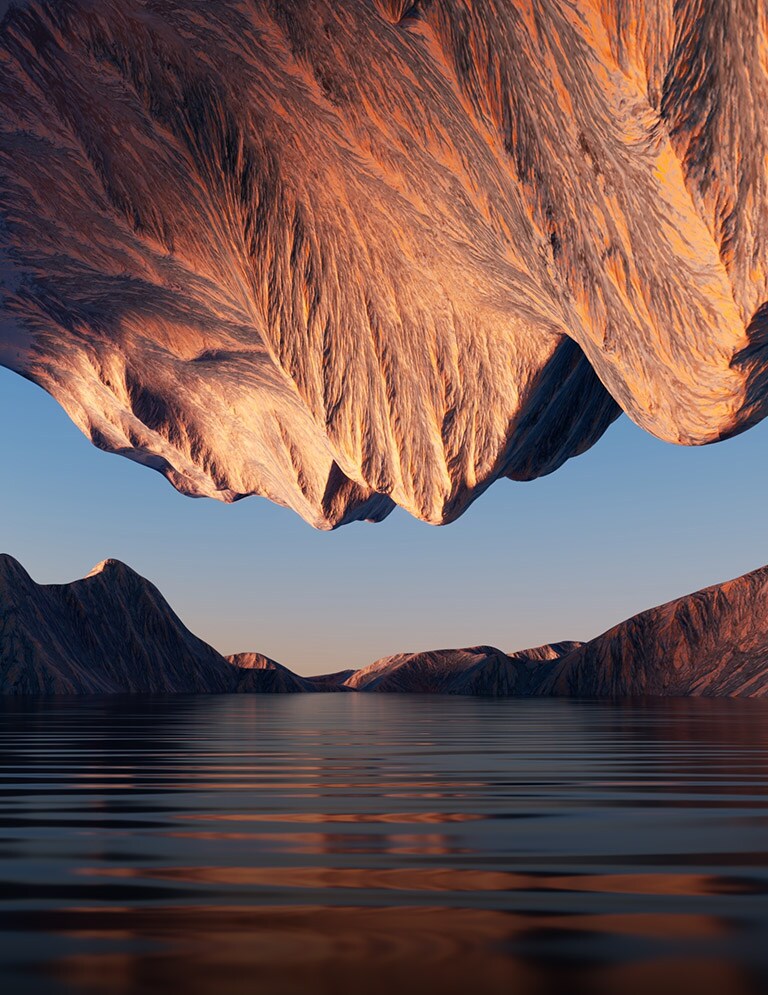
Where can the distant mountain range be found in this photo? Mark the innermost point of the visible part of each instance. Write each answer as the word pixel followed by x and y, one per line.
pixel 113 632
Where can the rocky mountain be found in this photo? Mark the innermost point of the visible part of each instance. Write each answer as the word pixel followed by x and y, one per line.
pixel 713 642
pixel 111 632
pixel 114 633
pixel 351 255
pixel 481 670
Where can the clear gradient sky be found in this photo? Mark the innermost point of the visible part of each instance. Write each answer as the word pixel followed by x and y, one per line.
pixel 632 523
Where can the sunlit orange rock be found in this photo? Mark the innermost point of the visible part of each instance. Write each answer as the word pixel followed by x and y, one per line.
pixel 351 255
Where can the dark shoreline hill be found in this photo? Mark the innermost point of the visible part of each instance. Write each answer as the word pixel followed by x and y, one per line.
pixel 261 674
pixel 476 670
pixel 111 632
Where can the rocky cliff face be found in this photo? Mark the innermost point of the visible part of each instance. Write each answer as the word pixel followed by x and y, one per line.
pixel 346 255
pixel 111 632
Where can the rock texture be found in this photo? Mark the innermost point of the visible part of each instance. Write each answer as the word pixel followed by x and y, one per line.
pixel 346 255
pixel 481 670
pixel 111 632
pixel 714 642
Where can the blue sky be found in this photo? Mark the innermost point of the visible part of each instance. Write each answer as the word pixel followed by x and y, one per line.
pixel 632 523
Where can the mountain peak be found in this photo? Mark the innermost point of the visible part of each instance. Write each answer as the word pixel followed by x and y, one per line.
pixel 109 566
pixel 111 632
pixel 12 570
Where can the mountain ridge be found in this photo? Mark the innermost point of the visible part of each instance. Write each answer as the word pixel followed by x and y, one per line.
pixel 113 632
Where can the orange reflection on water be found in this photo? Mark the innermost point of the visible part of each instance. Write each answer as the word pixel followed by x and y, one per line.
pixel 320 817
pixel 341 951
pixel 424 879
pixel 392 843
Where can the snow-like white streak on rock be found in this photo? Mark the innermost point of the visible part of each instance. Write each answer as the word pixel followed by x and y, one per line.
pixel 347 255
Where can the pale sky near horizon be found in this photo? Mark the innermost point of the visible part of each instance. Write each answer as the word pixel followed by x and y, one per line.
pixel 632 523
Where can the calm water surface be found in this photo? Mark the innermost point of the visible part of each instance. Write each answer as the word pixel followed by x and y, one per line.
pixel 349 843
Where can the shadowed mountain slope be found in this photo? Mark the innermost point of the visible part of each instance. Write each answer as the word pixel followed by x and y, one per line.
pixel 331 682
pixel 713 642
pixel 113 633
pixel 108 633
pixel 352 255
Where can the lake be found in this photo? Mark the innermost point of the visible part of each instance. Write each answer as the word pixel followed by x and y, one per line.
pixel 362 844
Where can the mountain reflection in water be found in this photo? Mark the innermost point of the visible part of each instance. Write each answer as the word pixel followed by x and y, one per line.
pixel 341 844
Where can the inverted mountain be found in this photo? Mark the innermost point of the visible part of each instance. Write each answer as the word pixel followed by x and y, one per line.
pixel 347 255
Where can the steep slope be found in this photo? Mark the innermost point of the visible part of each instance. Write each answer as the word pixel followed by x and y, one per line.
pixel 345 255
pixel 108 633
pixel 480 670
pixel 713 642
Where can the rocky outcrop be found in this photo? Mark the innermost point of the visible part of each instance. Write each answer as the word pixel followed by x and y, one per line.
pixel 351 255
pixel 111 632
pixel 713 642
